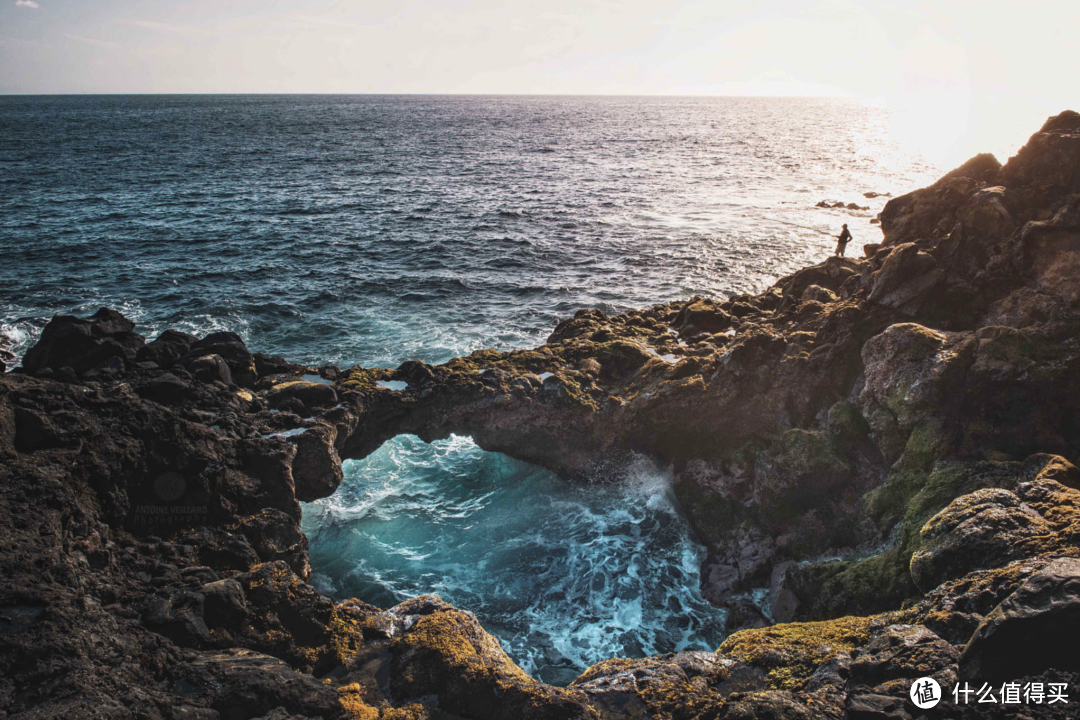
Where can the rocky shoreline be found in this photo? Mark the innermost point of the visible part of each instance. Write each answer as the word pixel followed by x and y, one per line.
pixel 879 447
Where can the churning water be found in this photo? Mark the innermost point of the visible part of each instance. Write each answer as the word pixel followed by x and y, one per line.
pixel 564 574
pixel 374 230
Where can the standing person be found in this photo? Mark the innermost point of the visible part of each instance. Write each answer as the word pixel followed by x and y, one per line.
pixel 842 241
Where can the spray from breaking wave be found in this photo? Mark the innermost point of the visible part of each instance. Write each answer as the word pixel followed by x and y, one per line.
pixel 565 575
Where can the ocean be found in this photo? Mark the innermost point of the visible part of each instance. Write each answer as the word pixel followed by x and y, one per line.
pixel 377 229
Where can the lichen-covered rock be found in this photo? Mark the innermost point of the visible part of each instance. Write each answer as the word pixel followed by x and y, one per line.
pixel 910 369
pixel 980 530
pixel 912 373
pixel 790 654
pixel 683 684
pixel 445 652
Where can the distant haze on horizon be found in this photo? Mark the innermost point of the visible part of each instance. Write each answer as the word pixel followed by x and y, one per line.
pixel 960 76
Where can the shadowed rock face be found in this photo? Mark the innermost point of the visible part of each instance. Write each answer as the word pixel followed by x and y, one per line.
pixel 1010 641
pixel 912 414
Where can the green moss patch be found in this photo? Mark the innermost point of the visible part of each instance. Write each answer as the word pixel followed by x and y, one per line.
pixel 790 653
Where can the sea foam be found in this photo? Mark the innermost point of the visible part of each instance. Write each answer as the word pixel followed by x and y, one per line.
pixel 563 574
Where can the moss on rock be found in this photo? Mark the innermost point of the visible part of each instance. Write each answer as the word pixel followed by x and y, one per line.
pixel 360 378
pixel 789 654
pixel 446 653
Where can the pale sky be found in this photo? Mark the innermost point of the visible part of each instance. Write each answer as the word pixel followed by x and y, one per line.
pixel 981 72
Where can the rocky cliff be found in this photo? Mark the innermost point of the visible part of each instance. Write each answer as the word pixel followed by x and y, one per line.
pixel 879 447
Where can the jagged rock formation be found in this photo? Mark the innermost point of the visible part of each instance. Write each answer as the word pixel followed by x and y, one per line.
pixel 912 413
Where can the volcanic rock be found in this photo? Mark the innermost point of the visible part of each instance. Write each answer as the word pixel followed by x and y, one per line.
pixel 84 344
pixel 1035 628
pixel 231 349
pixel 309 394
pixel 166 349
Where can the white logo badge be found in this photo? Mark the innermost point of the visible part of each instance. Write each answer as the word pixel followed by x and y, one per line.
pixel 925 693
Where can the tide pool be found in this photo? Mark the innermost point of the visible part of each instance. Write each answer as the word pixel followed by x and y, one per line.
pixel 564 574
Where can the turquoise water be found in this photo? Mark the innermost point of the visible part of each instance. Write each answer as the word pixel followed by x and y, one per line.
pixel 564 574
pixel 377 229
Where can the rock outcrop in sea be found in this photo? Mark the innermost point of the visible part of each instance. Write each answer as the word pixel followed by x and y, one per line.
pixel 877 453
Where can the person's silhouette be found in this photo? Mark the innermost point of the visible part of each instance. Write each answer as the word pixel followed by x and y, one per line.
pixel 842 241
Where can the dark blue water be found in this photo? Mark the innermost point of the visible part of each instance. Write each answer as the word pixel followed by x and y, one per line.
pixel 375 229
